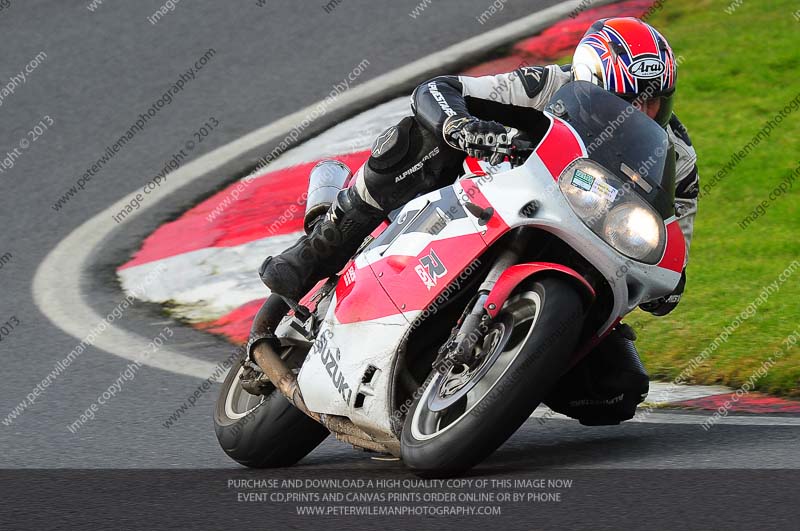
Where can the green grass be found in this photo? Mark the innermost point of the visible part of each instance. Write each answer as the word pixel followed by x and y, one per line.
pixel 739 70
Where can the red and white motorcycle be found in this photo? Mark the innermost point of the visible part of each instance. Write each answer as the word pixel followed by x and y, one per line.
pixel 457 317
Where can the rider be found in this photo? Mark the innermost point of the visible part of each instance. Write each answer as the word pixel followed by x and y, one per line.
pixel 454 115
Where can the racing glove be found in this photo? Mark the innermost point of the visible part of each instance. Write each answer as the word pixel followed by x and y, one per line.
pixel 663 305
pixel 484 140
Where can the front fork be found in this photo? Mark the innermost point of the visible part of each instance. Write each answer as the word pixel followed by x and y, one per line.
pixel 504 276
pixel 476 319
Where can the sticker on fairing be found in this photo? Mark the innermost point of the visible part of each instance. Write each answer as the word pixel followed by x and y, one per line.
pixel 584 181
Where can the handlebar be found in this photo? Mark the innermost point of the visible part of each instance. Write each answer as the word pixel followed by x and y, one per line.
pixel 521 148
pixel 515 145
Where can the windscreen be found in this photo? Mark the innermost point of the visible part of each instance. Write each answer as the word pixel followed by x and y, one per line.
pixel 622 139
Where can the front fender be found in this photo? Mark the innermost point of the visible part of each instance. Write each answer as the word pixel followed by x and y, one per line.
pixel 511 278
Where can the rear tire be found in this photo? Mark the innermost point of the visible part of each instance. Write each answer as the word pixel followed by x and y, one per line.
pixel 528 358
pixel 264 431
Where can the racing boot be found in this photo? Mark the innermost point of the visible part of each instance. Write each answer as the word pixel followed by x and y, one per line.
pixel 605 387
pixel 325 250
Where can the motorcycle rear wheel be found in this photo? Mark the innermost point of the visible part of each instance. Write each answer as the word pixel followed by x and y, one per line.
pixel 464 414
pixel 264 431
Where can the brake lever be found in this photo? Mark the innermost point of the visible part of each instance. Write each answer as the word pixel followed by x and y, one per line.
pixel 520 150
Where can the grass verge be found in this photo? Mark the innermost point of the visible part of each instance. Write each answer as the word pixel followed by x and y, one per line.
pixel 739 70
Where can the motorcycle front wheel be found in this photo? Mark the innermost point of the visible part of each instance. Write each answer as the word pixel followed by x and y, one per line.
pixel 464 413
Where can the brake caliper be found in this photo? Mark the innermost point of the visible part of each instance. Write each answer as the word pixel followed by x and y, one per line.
pixel 466 335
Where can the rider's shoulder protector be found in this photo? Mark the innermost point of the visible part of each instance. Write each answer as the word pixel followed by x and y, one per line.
pixel 680 130
pixel 533 78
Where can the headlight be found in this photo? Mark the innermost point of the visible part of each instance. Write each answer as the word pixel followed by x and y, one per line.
pixel 614 211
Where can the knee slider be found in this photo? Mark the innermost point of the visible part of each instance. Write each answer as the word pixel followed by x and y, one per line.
pixel 393 146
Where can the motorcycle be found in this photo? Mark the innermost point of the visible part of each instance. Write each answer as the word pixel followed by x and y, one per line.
pixel 460 313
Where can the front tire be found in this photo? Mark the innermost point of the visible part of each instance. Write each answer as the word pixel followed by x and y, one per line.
pixel 450 429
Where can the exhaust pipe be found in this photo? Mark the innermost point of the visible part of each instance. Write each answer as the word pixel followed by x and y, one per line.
pixel 285 381
pixel 281 376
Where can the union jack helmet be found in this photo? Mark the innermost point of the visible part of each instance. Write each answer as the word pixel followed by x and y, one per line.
pixel 630 58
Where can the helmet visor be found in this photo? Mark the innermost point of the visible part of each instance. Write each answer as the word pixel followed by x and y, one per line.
pixel 657 106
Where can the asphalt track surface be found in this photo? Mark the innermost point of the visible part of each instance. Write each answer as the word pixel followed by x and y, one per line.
pixel 102 69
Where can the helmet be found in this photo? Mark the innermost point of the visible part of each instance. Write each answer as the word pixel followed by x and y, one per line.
pixel 629 58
